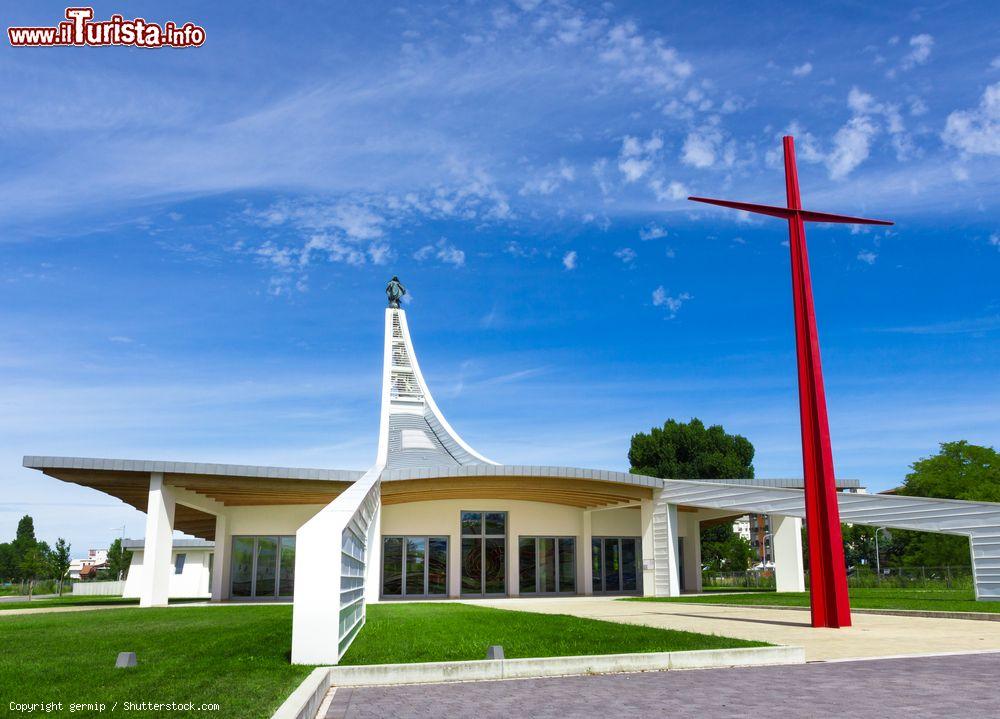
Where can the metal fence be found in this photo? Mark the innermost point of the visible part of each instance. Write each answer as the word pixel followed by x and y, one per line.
pixel 98 589
pixel 859 577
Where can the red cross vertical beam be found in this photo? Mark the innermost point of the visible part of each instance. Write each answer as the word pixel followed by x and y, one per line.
pixel 827 573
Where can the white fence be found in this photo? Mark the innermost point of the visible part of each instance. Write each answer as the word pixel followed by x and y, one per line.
pixel 98 589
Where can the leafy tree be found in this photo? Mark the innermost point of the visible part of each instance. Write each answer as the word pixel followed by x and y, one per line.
pixel 118 560
pixel 690 450
pixel 34 565
pixel 60 561
pixel 8 562
pixel 723 550
pixel 959 471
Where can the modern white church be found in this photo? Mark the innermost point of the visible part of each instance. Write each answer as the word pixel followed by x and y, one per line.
pixel 435 518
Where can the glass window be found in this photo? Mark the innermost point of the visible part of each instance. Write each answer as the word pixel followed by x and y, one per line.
pixel 628 564
pixel 179 563
pixel 567 564
pixel 286 579
pixel 472 565
pixel 437 565
pixel 526 564
pixel 612 568
pixel 242 567
pixel 267 559
pixel 472 523
pixel 546 564
pixel 392 566
pixel 415 565
pixel 494 565
pixel 595 559
pixel 496 523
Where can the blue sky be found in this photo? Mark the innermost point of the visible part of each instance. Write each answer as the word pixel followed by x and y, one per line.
pixel 195 243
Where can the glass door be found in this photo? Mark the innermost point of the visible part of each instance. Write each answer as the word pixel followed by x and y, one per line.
pixel 547 565
pixel 414 566
pixel 484 553
pixel 615 562
pixel 262 567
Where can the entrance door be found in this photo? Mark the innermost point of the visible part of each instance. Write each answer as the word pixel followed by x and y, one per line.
pixel 484 554
pixel 615 562
pixel 547 565
pixel 414 566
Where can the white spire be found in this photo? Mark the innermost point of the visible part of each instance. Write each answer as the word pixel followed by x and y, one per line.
pixel 413 432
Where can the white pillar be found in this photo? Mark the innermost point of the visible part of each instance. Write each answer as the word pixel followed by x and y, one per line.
pixel 154 590
pixel 692 552
pixel 586 574
pixel 220 563
pixel 786 541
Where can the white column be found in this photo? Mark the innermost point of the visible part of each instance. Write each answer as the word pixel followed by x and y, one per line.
pixel 786 540
pixel 583 555
pixel 692 552
pixel 156 567
pixel 220 563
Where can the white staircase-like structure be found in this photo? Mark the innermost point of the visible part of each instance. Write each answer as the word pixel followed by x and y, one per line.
pixel 329 606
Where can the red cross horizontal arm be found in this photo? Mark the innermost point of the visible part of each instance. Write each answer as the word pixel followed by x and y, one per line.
pixel 827 573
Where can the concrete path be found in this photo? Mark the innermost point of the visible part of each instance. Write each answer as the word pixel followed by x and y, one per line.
pixel 948 687
pixel 24 597
pixel 872 635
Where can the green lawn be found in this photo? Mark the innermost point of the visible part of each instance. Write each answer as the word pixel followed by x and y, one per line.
pixel 238 656
pixel 942 600
pixel 234 656
pixel 434 632
pixel 82 601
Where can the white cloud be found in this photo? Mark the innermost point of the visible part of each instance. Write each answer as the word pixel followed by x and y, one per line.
pixel 995 240
pixel 626 254
pixel 672 304
pixel 867 256
pixel 549 180
pixel 705 147
pixel 653 232
pixel 920 51
pixel 121 339
pixel 636 157
pixel 802 70
pixel 569 260
pixel 995 64
pixel 443 251
pixel 642 60
pixel 673 190
pixel 976 131
pixel 851 146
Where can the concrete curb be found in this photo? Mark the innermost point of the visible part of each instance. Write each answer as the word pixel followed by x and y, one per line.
pixel 928 613
pixel 487 670
pixel 304 702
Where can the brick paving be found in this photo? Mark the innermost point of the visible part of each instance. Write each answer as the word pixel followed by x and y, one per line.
pixel 909 688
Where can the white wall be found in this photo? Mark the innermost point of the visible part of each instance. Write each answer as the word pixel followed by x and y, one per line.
pixel 524 519
pixel 191 582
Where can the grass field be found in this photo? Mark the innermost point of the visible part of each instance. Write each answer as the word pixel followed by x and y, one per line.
pixel 238 656
pixel 942 600
pixel 434 632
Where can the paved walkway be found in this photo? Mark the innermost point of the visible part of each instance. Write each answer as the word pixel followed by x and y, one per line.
pixel 873 635
pixel 946 687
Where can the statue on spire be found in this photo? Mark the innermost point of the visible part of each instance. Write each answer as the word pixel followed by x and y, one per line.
pixel 394 291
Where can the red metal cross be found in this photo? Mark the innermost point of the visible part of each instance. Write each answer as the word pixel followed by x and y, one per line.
pixel 827 572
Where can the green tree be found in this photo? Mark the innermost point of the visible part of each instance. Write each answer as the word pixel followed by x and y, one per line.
pixel 723 550
pixel 34 565
pixel 61 561
pixel 958 471
pixel 690 450
pixel 118 560
pixel 8 564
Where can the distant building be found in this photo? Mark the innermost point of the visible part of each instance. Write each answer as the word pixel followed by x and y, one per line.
pixel 88 567
pixel 192 559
